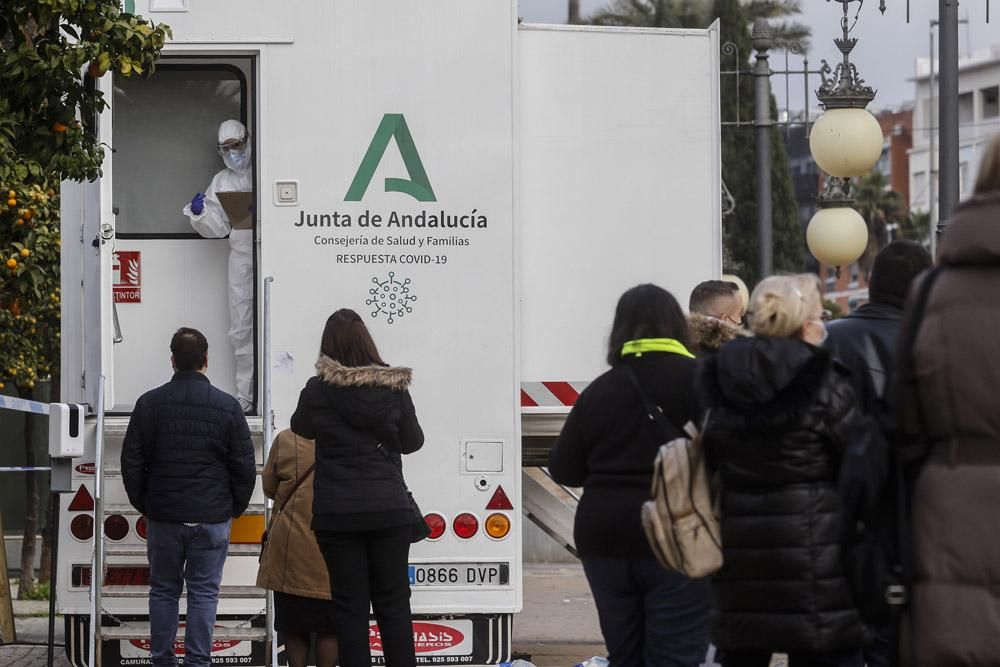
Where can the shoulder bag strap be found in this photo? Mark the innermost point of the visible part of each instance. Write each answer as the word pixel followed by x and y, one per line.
pixel 905 371
pixel 298 483
pixel 653 411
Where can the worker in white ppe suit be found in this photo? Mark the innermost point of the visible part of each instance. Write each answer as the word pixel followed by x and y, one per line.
pixel 210 220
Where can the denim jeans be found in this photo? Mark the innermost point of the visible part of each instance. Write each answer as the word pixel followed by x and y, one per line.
pixel 180 554
pixel 650 616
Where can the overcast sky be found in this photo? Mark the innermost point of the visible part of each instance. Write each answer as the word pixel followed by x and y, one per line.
pixel 886 48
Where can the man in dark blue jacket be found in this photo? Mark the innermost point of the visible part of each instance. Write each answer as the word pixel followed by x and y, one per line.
pixel 865 342
pixel 188 465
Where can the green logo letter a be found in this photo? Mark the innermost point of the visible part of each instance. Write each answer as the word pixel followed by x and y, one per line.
pixel 393 125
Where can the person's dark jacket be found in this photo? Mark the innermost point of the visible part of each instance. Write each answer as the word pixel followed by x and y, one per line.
pixel 709 334
pixel 608 445
pixel 187 455
pixel 782 413
pixel 865 342
pixel 362 419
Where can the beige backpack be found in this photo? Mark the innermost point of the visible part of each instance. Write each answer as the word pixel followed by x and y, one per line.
pixel 681 524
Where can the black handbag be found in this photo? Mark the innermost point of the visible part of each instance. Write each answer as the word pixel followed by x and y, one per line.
pixel 418 526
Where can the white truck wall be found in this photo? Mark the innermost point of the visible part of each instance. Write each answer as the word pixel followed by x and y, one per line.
pixel 619 182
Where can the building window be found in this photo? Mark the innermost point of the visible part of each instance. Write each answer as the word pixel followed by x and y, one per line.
pixel 991 102
pixel 966 109
pixel 855 274
pixel 921 197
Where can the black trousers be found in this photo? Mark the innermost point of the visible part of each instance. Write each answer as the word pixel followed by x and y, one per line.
pixel 370 566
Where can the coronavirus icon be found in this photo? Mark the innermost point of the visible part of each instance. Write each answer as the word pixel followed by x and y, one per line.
pixel 390 297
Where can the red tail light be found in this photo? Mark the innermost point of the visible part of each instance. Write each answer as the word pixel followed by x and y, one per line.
pixel 437 525
pixel 140 527
pixel 82 527
pixel 466 525
pixel 116 527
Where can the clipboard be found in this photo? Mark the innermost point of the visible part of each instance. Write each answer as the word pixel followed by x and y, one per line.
pixel 237 206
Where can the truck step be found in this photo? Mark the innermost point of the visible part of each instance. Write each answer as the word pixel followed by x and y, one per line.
pixel 115 470
pixel 225 592
pixel 141 631
pixel 140 550
pixel 116 425
pixel 255 509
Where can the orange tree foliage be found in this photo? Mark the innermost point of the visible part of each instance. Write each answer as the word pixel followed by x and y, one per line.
pixel 51 53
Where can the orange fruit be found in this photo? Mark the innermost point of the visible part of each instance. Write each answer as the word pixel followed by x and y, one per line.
pixel 11 263
pixel 12 202
pixel 59 127
pixel 25 252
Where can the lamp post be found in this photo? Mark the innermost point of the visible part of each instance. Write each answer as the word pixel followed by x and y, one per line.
pixel 846 142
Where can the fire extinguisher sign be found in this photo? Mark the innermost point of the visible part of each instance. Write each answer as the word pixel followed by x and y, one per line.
pixel 127 276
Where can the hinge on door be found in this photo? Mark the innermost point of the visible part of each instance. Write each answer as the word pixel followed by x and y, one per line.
pixel 83 380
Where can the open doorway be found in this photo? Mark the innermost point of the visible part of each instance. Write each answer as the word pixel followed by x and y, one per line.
pixel 167 149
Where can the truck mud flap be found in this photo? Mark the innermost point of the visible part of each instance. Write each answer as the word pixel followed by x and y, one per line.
pixel 475 639
pixel 136 652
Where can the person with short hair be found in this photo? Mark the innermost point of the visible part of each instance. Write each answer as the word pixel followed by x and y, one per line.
pixel 188 465
pixel 951 426
pixel 358 410
pixel 781 414
pixel 865 342
pixel 716 316
pixel 649 616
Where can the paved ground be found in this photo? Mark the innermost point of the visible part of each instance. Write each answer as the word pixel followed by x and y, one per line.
pixel 558 627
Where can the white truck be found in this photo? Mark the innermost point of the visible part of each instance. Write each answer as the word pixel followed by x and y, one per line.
pixel 480 190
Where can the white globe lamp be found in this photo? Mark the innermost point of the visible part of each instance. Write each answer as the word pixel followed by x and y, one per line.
pixel 837 236
pixel 846 142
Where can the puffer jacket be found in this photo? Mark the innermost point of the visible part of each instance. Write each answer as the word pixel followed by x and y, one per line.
pixel 782 414
pixel 187 455
pixel 362 419
pixel 952 425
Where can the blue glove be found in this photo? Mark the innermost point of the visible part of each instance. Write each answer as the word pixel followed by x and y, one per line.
pixel 198 203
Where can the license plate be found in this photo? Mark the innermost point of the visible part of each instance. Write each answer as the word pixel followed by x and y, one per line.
pixel 115 576
pixel 460 574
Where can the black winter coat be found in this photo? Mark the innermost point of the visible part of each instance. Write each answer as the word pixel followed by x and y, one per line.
pixel 867 335
pixel 363 420
pixel 782 415
pixel 187 455
pixel 608 445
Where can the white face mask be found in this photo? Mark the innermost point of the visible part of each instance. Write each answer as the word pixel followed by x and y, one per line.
pixel 235 160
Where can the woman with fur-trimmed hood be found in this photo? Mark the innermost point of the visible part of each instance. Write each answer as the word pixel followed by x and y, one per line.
pixel 358 410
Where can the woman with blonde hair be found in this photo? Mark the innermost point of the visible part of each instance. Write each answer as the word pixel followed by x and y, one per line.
pixel 780 414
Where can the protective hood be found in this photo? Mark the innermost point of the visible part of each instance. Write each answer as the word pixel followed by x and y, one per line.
pixel 231 129
pixel 237 161
pixel 752 372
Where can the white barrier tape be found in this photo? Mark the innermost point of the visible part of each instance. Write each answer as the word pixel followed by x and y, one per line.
pixel 25 469
pixel 23 405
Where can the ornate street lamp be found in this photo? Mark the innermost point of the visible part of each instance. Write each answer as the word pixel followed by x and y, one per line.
pixel 846 141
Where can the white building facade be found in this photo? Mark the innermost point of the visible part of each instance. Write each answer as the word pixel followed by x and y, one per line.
pixel 978 117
